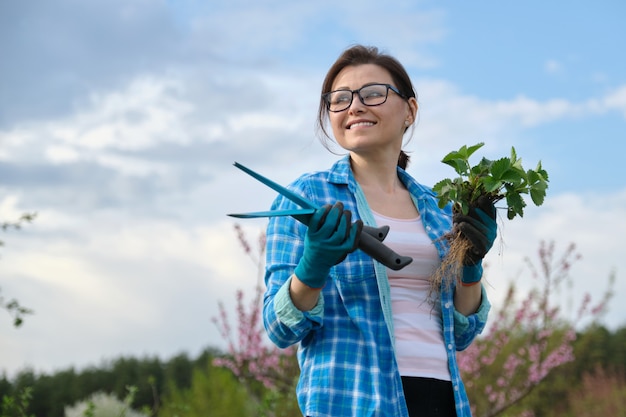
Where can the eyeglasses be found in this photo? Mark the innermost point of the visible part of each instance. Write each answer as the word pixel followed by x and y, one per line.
pixel 370 95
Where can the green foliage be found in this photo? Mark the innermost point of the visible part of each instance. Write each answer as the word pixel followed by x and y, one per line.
pixel 600 394
pixel 279 403
pixel 51 393
pixel 17 405
pixel 14 308
pixel 504 178
pixel 214 392
pixel 48 395
pixel 24 218
pixel 592 383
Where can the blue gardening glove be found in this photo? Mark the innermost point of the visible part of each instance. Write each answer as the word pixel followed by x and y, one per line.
pixel 329 239
pixel 480 228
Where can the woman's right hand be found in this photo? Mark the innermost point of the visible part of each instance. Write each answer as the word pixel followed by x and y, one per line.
pixel 331 236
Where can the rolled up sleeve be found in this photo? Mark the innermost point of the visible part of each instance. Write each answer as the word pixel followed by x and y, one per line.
pixel 466 328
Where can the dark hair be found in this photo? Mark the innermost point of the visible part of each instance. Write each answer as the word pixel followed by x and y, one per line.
pixel 360 55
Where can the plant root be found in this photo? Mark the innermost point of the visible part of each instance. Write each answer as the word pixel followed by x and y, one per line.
pixel 451 267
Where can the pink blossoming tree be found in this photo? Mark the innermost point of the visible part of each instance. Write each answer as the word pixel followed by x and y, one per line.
pixel 269 373
pixel 526 341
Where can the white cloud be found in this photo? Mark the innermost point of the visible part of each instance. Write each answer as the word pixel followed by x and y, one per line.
pixel 61 154
pixel 135 118
pixel 616 100
pixel 440 99
pixel 552 66
pixel 141 116
pixel 145 273
pixel 9 210
pixel 107 279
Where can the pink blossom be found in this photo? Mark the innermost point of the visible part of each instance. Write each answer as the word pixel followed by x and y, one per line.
pixel 527 341
pixel 251 357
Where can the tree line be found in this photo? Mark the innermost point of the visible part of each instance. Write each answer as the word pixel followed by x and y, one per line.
pixel 189 386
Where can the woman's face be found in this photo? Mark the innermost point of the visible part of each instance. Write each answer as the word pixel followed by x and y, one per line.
pixel 363 129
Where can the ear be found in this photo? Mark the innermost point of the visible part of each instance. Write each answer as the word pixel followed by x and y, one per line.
pixel 412 110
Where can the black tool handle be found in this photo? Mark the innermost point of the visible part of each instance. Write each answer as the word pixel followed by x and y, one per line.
pixel 382 253
pixel 380 233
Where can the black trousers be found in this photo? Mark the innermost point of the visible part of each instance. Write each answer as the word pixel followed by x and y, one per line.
pixel 428 397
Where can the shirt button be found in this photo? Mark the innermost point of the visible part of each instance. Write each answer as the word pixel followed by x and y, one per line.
pixel 456 387
pixel 447 305
pixel 450 346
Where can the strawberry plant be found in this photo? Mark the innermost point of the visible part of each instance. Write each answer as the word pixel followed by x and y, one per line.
pixel 502 179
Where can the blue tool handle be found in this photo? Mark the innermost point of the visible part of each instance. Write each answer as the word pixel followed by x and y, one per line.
pixel 382 253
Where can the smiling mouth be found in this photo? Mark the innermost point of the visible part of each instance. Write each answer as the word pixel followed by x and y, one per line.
pixel 359 124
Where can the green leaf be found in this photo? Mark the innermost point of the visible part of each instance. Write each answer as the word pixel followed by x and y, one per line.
pixel 440 185
pixel 490 184
pixel 472 149
pixel 516 205
pixel 459 164
pixel 501 179
pixel 459 160
pixel 513 157
pixel 500 167
pixel 537 196
pixel 483 168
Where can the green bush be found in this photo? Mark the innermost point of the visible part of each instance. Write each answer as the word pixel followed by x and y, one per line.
pixel 214 392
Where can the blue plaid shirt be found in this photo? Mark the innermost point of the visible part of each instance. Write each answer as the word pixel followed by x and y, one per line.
pixel 346 353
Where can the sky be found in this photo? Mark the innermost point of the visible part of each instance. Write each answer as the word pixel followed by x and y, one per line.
pixel 120 121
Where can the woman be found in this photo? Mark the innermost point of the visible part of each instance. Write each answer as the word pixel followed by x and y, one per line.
pixel 373 341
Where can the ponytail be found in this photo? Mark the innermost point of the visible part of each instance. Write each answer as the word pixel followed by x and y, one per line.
pixel 403 160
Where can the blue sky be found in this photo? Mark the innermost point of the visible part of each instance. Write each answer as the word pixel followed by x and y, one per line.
pixel 120 121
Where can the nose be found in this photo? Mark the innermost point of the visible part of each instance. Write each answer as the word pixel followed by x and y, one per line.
pixel 356 105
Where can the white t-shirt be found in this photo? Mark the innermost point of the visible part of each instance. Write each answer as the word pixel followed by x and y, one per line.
pixel 420 350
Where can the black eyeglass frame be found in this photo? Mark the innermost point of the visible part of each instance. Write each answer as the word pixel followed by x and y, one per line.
pixel 326 96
